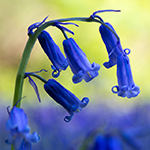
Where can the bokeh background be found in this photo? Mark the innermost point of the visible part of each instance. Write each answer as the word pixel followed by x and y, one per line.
pixel 133 27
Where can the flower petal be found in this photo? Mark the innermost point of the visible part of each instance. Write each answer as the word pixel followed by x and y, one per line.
pixel 32 138
pixel 33 84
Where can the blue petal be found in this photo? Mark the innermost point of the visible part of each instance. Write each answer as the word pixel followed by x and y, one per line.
pixel 133 92
pixel 25 145
pixel 92 73
pixel 109 64
pixel 33 84
pixel 78 77
pixel 17 141
pixel 32 138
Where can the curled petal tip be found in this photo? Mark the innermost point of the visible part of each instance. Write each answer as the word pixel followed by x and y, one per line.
pixel 67 118
pixel 127 51
pixel 115 89
pixel 85 101
pixel 56 73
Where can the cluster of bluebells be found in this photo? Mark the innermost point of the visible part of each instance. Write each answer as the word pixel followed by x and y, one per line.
pixel 81 68
pixel 126 86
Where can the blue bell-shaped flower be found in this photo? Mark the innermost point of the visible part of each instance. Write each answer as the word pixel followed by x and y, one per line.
pixel 65 98
pixel 79 64
pixel 107 142
pixel 126 86
pixel 112 44
pixel 53 52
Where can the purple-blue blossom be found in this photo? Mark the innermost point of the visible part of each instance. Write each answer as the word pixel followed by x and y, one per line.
pixel 65 98
pixel 107 142
pixel 17 125
pixel 126 86
pixel 99 143
pixel 112 44
pixel 79 64
pixel 53 52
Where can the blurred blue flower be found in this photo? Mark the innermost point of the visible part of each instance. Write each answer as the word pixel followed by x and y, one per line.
pixel 130 137
pixel 126 86
pixel 99 143
pixel 65 98
pixel 17 125
pixel 53 52
pixel 107 142
pixel 79 64
pixel 112 44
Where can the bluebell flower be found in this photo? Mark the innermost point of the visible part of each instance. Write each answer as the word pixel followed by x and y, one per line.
pixel 17 125
pixel 112 44
pixel 107 142
pixel 126 86
pixel 79 64
pixel 100 143
pixel 113 143
pixel 65 98
pixel 130 137
pixel 53 52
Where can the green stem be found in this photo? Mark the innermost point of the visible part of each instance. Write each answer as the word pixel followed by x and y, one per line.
pixel 29 46
pixel 12 147
pixel 21 69
pixel 84 19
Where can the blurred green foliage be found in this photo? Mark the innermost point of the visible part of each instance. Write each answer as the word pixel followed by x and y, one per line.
pixel 132 25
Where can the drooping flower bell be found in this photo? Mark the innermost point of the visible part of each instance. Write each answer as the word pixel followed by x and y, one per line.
pixel 112 44
pixel 65 98
pixel 53 52
pixel 79 64
pixel 17 125
pixel 126 86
